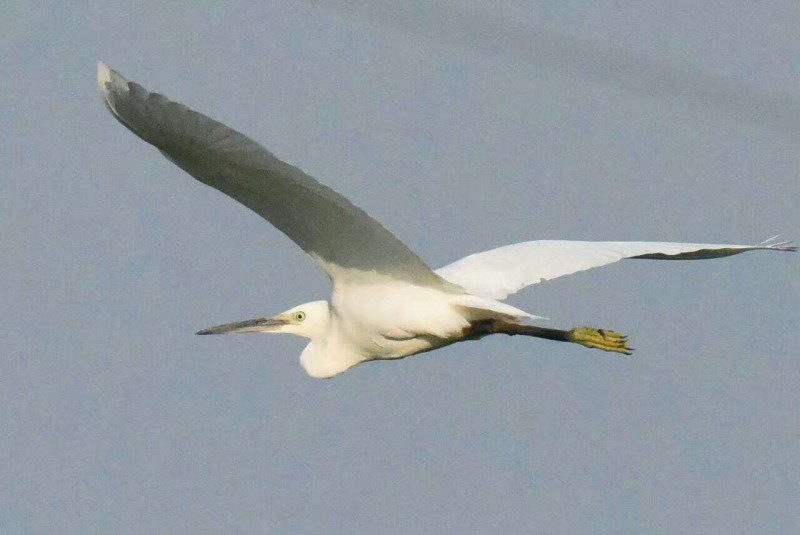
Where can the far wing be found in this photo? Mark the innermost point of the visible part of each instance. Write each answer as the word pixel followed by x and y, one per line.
pixel 500 272
pixel 327 226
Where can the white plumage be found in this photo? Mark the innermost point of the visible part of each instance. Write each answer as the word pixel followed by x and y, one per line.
pixel 386 302
pixel 498 273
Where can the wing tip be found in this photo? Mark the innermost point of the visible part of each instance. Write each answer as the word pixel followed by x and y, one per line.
pixel 103 80
pixel 103 74
pixel 784 246
pixel 111 85
pixel 771 244
pixel 105 77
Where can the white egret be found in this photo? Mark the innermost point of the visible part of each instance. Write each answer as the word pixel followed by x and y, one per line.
pixel 386 302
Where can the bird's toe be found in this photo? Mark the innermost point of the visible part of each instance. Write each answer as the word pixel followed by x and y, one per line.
pixel 601 339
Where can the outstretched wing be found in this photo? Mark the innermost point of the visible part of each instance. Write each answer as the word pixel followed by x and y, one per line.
pixel 500 272
pixel 336 233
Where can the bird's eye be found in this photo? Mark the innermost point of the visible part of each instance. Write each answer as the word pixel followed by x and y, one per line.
pixel 299 316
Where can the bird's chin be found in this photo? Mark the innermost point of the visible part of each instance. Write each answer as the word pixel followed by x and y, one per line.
pixel 259 325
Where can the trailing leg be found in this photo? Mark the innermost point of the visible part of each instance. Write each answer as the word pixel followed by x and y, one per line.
pixel 585 336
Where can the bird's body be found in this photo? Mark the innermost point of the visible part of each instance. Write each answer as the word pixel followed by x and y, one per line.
pixel 386 302
pixel 391 319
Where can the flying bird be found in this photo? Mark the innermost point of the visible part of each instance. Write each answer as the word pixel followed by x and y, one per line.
pixel 386 303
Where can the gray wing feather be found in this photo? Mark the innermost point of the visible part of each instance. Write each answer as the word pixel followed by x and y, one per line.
pixel 330 228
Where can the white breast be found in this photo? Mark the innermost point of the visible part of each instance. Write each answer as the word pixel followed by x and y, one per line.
pixel 393 319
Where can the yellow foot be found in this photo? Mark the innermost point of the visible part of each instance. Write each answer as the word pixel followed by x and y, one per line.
pixel 600 339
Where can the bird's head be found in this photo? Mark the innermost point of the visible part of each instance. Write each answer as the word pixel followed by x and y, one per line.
pixel 309 320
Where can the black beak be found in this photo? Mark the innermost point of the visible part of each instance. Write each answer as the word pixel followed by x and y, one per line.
pixel 248 326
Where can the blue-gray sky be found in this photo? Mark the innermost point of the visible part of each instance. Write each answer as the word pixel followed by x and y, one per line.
pixel 461 127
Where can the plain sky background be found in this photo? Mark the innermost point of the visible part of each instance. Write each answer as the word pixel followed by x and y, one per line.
pixel 461 126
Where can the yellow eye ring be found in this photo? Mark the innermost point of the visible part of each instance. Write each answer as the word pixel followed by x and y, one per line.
pixel 299 316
